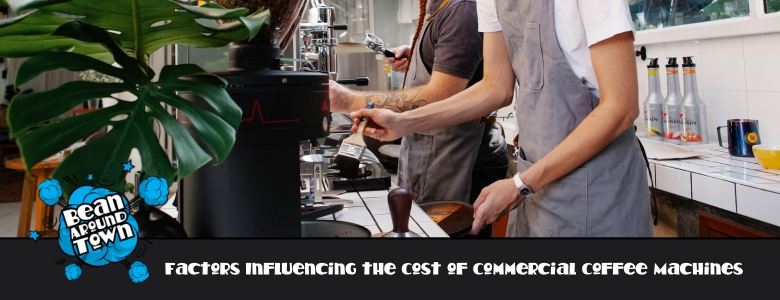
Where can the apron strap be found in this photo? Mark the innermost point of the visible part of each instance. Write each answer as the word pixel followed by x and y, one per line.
pixel 652 184
pixel 437 10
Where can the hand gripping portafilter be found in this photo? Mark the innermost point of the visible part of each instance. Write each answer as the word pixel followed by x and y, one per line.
pixel 400 202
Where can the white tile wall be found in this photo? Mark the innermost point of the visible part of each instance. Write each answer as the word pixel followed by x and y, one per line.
pixel 721 65
pixel 765 107
pixel 759 204
pixel 737 78
pixel 761 63
pixel 722 106
pixel 714 192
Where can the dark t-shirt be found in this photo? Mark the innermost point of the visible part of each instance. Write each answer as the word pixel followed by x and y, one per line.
pixel 453 43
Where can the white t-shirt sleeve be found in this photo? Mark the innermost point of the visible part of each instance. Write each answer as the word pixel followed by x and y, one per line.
pixel 603 19
pixel 487 16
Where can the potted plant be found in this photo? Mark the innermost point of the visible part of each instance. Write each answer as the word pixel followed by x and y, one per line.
pixel 115 38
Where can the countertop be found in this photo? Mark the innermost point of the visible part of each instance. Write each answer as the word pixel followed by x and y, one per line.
pixel 370 209
pixel 736 184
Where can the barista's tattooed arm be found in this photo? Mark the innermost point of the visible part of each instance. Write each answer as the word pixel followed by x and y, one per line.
pixel 396 101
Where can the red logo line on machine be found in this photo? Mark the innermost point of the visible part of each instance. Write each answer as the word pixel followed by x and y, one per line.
pixel 256 108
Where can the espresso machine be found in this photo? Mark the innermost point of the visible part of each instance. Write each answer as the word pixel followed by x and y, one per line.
pixel 282 141
pixel 255 192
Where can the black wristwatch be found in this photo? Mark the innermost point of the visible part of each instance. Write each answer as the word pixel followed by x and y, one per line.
pixel 522 189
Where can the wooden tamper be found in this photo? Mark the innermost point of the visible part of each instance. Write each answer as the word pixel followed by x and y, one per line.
pixel 400 202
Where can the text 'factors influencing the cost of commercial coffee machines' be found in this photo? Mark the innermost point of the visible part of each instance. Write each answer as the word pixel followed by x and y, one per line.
pixel 454 268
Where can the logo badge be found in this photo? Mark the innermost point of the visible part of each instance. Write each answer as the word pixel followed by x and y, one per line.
pixel 95 225
pixel 751 138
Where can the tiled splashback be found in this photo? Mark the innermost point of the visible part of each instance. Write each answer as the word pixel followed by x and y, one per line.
pixel 736 184
pixel 738 77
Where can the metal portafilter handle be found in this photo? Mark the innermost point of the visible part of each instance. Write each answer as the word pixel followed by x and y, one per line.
pixel 358 81
pixel 374 43
pixel 400 202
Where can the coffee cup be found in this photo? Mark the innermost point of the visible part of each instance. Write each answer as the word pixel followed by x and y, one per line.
pixel 742 135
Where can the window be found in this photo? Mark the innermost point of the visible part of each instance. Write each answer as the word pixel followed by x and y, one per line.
pixel 652 14
pixel 772 6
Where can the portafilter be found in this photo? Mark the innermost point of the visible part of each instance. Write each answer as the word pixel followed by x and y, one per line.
pixel 374 43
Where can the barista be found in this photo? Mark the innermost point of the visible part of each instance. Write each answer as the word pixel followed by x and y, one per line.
pixel 581 171
pixel 451 163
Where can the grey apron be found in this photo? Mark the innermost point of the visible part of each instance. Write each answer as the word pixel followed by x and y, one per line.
pixel 608 196
pixel 437 165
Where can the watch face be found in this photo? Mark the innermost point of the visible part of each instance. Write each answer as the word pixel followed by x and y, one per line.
pixel 525 192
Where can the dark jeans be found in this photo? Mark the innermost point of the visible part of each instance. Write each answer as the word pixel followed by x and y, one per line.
pixel 491 165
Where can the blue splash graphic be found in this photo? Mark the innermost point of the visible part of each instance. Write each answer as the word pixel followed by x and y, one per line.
pixel 72 271
pixel 138 272
pixel 154 190
pixel 50 191
pixel 34 235
pixel 111 252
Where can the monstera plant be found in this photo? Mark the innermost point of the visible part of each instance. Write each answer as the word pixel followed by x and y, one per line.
pixel 115 37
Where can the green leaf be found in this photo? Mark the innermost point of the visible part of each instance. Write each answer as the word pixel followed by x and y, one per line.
pixel 217 97
pixel 14 20
pixel 215 132
pixel 104 157
pixel 215 11
pixel 48 61
pixel 46 141
pixel 191 156
pixel 255 21
pixel 133 31
pixel 22 5
pixel 32 35
pixel 26 111
pixel 246 25
pixel 93 34
pixel 177 71
pixel 140 26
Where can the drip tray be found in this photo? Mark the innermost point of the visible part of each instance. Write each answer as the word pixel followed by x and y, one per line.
pixel 332 229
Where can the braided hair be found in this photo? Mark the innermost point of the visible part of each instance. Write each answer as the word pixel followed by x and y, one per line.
pixel 420 21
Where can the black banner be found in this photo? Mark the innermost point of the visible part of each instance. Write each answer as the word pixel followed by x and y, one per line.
pixel 379 267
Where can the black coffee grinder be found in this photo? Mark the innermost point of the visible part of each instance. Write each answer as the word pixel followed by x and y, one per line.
pixel 255 192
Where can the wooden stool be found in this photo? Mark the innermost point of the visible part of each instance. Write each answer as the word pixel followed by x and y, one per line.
pixel 40 173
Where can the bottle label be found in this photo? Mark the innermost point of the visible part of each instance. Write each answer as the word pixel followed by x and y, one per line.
pixel 672 125
pixel 691 127
pixel 652 72
pixel 672 72
pixel 654 121
pixel 689 72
